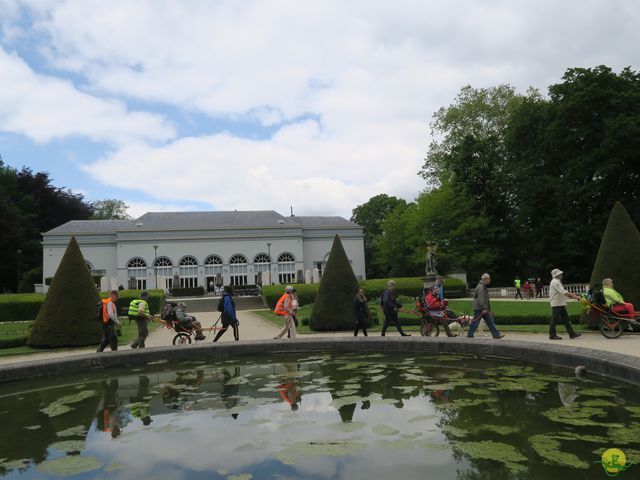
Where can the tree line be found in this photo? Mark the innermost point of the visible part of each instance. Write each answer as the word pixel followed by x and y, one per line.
pixel 31 204
pixel 516 184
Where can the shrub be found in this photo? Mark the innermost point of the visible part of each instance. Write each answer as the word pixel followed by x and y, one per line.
pixel 410 287
pixel 67 316
pixel 333 308
pixel 125 297
pixel 20 307
pixel 619 255
pixel 187 292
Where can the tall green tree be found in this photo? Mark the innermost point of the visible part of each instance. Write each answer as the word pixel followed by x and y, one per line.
pixel 575 154
pixel 30 204
pixel 370 216
pixel 110 209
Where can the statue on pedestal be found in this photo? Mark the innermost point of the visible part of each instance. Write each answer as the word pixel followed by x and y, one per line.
pixel 432 260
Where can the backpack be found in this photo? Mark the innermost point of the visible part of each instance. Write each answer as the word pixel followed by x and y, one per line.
pixel 221 304
pixel 168 311
pixel 99 310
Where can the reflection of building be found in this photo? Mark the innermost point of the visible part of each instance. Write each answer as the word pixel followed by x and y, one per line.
pixel 197 247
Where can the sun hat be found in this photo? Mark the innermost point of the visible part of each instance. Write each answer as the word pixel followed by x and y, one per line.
pixel 556 272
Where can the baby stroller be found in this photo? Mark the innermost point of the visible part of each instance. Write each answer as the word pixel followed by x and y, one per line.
pixel 611 324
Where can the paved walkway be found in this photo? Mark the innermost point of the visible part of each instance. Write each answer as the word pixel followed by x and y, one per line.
pixel 253 327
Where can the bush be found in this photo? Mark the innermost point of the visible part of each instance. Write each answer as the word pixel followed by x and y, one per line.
pixel 187 292
pixel 410 287
pixel 619 255
pixel 333 308
pixel 67 315
pixel 125 297
pixel 18 307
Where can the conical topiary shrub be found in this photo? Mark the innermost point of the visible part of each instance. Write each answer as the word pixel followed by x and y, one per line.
pixel 68 315
pixel 619 255
pixel 333 308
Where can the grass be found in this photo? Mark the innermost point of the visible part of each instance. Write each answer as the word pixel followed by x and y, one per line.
pixel 501 310
pixel 9 330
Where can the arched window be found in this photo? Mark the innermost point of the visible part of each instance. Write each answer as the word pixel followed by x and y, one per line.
pixel 238 269
pixel 286 268
pixel 261 264
pixel 212 265
pixel 164 268
pixel 188 272
pixel 137 269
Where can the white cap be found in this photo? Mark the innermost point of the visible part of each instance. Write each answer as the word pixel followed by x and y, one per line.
pixel 288 289
pixel 556 272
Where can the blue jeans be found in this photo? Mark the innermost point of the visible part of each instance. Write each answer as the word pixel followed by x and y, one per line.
pixel 488 318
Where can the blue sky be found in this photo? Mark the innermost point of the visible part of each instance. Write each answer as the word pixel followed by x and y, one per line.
pixel 265 105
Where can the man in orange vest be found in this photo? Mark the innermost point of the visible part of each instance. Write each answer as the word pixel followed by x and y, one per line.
pixel 109 322
pixel 284 308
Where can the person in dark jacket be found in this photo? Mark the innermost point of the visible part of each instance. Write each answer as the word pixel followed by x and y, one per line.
pixel 390 307
pixel 482 309
pixel 538 286
pixel 362 312
pixel 229 317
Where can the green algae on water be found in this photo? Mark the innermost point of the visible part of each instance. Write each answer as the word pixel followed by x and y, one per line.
pixel 68 446
pixel 576 415
pixel 331 448
pixel 490 450
pixel 548 449
pixel 73 431
pixel 346 427
pixel 69 465
pixel 384 430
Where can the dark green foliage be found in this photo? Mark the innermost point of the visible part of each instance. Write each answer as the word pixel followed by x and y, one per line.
pixel 333 309
pixel 619 255
pixel 20 307
pixel 125 297
pixel 187 292
pixel 410 287
pixel 67 316
pixel 30 204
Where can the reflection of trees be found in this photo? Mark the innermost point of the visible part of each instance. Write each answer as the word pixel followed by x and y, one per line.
pixel 18 442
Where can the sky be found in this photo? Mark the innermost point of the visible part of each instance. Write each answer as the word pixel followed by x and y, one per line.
pixel 261 105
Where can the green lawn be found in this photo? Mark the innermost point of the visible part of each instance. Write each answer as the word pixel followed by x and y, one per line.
pixel 17 330
pixel 503 310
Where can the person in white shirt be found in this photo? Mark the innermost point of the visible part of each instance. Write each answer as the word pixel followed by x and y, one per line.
pixel 558 299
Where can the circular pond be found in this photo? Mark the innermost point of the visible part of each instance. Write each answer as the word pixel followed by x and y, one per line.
pixel 369 416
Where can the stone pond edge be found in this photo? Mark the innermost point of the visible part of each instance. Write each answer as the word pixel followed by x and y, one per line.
pixel 607 364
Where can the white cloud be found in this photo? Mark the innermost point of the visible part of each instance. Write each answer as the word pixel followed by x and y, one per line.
pixel 44 107
pixel 370 74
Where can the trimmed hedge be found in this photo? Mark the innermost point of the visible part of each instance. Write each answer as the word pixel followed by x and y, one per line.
pixel 410 287
pixel 187 292
pixel 17 307
pixel 125 297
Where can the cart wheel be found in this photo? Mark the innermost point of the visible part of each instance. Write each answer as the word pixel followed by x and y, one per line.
pixel 429 329
pixel 182 339
pixel 611 330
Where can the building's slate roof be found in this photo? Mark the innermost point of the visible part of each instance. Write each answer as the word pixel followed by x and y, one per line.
pixel 323 222
pixel 199 220
pixel 93 226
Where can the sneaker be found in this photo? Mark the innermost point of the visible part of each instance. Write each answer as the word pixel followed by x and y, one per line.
pixel 555 337
pixel 499 336
pixel 576 335
pixel 200 337
pixel 406 334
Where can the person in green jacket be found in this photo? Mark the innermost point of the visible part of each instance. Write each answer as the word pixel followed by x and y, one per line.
pixel 518 284
pixel 139 311
pixel 615 301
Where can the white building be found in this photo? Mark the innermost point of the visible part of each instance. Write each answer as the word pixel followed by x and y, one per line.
pixel 197 246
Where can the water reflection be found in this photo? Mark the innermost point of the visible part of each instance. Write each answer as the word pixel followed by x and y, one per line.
pixel 362 417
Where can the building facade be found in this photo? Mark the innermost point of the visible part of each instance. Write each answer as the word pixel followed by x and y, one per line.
pixel 198 248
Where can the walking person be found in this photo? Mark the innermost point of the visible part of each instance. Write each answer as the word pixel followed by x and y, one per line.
pixel 362 312
pixel 518 284
pixel 284 308
pixel 139 312
pixel 558 299
pixel 482 309
pixel 295 304
pixel 538 287
pixel 109 322
pixel 229 317
pixel 390 307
